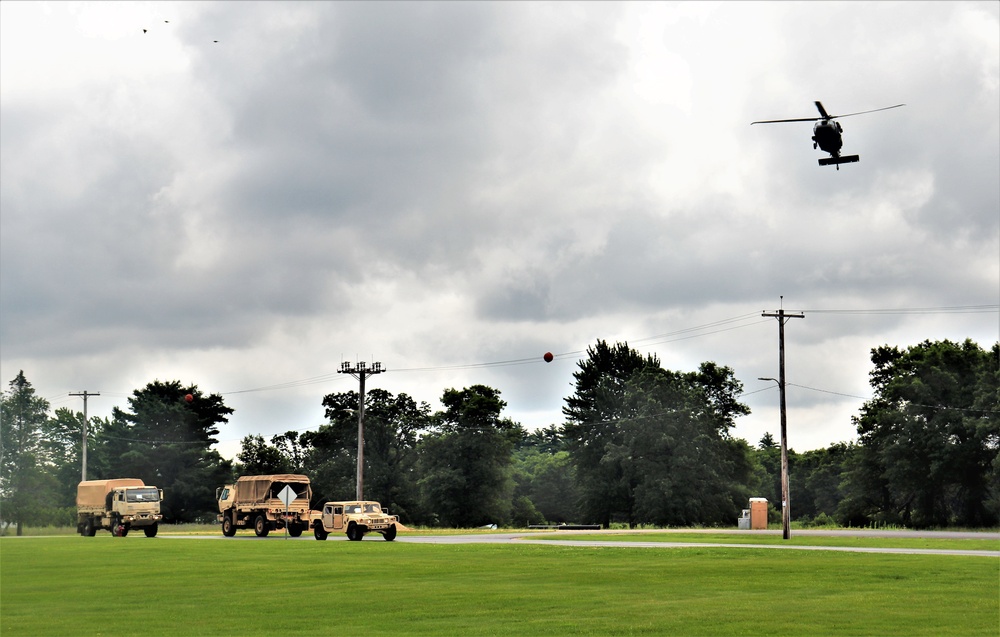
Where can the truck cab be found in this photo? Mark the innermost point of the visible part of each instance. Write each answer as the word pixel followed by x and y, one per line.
pixel 135 507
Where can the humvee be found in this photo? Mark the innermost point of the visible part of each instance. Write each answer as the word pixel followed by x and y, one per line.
pixel 356 518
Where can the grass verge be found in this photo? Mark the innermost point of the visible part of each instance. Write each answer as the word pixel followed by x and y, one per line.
pixel 800 540
pixel 182 586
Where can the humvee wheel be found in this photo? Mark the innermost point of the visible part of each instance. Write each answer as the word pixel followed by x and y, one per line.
pixel 260 527
pixel 390 533
pixel 319 532
pixel 228 528
pixel 150 531
pixel 294 530
pixel 354 533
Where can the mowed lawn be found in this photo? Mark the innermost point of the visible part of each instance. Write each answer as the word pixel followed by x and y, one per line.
pixel 177 586
pixel 796 539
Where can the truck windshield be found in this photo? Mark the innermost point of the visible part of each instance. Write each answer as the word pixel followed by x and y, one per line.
pixel 142 495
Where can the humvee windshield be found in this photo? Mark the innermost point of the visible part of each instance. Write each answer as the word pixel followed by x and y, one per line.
pixel 142 495
pixel 372 507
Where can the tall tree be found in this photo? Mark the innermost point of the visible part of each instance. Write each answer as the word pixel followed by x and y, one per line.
pixel 650 445
pixel 165 440
pixel 392 424
pixel 681 466
pixel 929 438
pixel 23 482
pixel 465 465
pixel 592 427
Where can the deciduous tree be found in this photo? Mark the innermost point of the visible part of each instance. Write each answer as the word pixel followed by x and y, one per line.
pixel 465 464
pixel 929 438
pixel 165 440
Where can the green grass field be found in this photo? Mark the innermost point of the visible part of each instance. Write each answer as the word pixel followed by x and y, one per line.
pixel 795 540
pixel 182 586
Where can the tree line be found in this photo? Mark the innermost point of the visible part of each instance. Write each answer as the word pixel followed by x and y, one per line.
pixel 639 445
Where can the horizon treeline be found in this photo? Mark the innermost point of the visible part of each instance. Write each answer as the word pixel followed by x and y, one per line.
pixel 640 445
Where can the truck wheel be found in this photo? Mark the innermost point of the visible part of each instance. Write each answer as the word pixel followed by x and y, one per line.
pixel 115 525
pixel 354 532
pixel 124 530
pixel 320 532
pixel 88 528
pixel 260 527
pixel 151 530
pixel 390 533
pixel 228 528
pixel 294 530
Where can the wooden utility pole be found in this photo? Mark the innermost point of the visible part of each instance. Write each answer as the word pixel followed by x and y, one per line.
pixel 361 371
pixel 86 394
pixel 786 508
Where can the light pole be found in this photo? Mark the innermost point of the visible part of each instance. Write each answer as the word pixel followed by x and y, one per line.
pixel 786 513
pixel 83 447
pixel 361 371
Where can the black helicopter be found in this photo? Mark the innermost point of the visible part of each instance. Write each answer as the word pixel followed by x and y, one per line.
pixel 827 134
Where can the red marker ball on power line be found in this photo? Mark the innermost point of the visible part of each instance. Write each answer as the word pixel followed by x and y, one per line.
pixel 548 357
pixel 189 398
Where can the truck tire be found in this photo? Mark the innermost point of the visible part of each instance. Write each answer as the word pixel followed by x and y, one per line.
pixel 390 533
pixel 260 526
pixel 151 530
pixel 228 528
pixel 354 532
pixel 320 532
pixel 295 530
pixel 115 525
pixel 125 529
pixel 88 528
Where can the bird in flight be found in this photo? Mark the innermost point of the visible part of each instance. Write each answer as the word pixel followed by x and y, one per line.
pixel 168 22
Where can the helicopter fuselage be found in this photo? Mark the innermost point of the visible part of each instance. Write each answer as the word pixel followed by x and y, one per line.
pixel 827 135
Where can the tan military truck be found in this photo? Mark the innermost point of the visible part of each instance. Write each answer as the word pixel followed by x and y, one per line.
pixel 117 505
pixel 356 518
pixel 256 502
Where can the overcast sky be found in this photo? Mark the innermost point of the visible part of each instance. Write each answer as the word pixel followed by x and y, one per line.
pixel 248 194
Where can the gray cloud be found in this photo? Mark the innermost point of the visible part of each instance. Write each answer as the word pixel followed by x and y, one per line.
pixel 440 185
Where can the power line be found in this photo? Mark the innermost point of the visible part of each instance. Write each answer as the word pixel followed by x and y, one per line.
pixel 707 329
pixel 956 309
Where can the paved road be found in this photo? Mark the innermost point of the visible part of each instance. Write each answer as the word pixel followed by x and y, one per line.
pixel 596 539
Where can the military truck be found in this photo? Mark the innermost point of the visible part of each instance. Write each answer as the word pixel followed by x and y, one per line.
pixel 356 518
pixel 117 505
pixel 255 502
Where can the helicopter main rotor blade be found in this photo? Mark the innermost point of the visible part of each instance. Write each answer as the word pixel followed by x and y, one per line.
pixel 871 111
pixel 822 111
pixel 778 121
